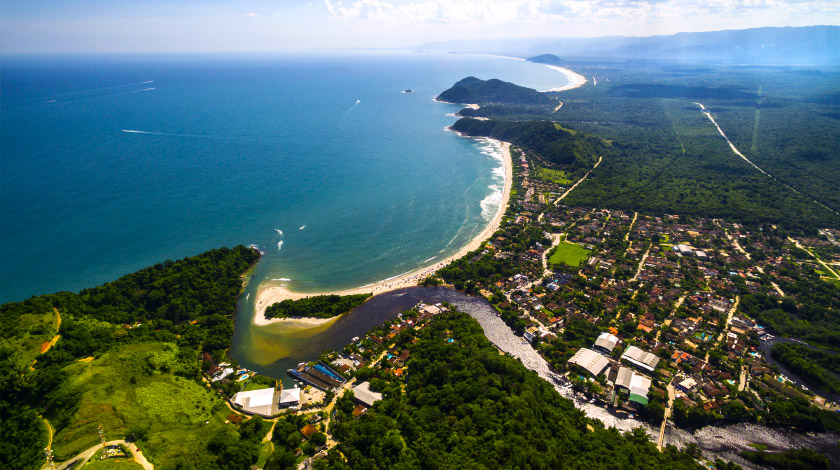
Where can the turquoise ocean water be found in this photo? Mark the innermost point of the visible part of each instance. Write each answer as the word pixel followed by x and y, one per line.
pixel 109 164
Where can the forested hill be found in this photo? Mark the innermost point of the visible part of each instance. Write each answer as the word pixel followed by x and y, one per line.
pixel 169 312
pixel 551 143
pixel 466 406
pixel 549 59
pixel 472 90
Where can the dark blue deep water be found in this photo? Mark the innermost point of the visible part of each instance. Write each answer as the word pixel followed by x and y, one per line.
pixel 227 150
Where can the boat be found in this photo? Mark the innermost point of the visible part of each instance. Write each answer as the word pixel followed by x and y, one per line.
pixel 408 90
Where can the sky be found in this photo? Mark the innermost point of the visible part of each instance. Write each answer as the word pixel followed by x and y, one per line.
pixel 83 26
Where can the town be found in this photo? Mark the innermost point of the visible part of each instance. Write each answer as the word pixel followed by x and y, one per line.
pixel 644 313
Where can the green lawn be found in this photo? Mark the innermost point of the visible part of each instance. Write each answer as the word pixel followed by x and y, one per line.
pixel 134 388
pixel 568 253
pixel 112 464
pixel 266 448
pixel 555 176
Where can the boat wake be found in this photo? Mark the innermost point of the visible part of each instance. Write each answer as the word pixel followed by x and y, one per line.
pixel 279 245
pixel 190 136
pixel 279 232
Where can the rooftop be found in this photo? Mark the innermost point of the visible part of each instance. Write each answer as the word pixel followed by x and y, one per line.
pixel 590 360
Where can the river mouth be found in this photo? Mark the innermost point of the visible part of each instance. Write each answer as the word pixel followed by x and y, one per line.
pixel 272 349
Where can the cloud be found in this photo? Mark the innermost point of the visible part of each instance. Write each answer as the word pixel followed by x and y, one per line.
pixel 251 14
pixel 553 11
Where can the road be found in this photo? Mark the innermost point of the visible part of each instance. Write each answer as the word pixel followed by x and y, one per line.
pixel 738 152
pixel 726 325
pixel 742 380
pixel 578 182
pixel 671 395
pixel 340 392
pixel 799 245
pixel 83 457
pixel 630 228
pixel 642 263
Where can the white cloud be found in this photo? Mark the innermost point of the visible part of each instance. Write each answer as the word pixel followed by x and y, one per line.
pixel 251 14
pixel 563 11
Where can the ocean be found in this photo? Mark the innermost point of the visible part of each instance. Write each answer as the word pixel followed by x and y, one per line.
pixel 109 164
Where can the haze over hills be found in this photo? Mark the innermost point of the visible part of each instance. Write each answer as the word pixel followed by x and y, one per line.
pixel 790 45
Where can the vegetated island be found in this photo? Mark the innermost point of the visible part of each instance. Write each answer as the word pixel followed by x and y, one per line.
pixel 319 306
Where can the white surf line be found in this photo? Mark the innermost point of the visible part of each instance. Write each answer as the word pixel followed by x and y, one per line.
pixel 737 152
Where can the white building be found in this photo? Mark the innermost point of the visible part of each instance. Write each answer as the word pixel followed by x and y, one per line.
pixel 639 358
pixel 590 360
pixel 264 401
pixel 606 342
pixel 289 398
pixel 365 396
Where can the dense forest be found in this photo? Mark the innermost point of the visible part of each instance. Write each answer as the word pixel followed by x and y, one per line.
pixel 667 157
pixel 318 306
pixel 140 334
pixel 472 90
pixel 466 406
pixel 551 143
pixel 791 459
pixel 813 318
pixel 818 368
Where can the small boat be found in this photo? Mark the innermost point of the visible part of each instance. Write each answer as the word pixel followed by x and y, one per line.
pixel 408 90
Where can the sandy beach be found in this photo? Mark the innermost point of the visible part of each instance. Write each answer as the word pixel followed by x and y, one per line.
pixel 272 294
pixel 575 79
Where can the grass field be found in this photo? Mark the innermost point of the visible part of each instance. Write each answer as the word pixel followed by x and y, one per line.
pixel 569 254
pixel 112 464
pixel 30 335
pixel 134 388
pixel 555 176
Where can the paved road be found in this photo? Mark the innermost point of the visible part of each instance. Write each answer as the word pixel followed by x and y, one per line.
pixel 642 263
pixel 83 457
pixel 799 245
pixel 630 228
pixel 726 325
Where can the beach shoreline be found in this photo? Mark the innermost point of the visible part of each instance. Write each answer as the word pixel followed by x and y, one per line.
pixel 270 295
pixel 576 80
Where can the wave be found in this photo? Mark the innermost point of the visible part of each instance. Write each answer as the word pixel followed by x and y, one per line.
pixel 433 257
pixel 282 279
pixel 48 101
pixel 247 296
pixel 490 204
pixel 279 245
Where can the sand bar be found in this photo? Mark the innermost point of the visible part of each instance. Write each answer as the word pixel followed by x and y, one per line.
pixel 270 295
